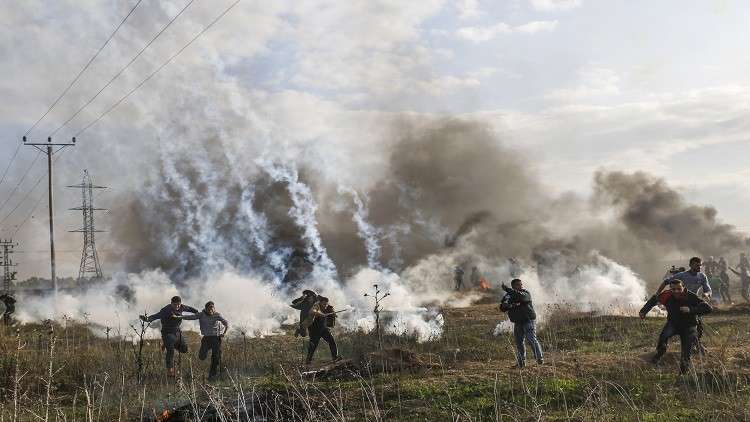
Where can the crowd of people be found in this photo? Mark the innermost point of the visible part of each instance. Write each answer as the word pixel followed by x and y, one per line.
pixel 685 294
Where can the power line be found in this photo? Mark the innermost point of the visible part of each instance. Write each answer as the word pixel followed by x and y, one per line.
pixel 169 60
pixel 117 75
pixel 36 205
pixel 39 180
pixel 70 85
pixel 26 219
pixel 20 181
pixel 78 76
pixel 5 173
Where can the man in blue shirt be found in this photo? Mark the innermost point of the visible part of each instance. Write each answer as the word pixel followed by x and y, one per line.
pixel 693 279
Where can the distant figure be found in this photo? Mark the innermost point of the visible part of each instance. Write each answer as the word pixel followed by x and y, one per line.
pixel 10 307
pixel 709 268
pixel 724 288
pixel 211 323
pixel 683 308
pixel 304 304
pixel 171 336
pixel 744 263
pixel 517 304
pixel 475 277
pixel 744 280
pixel 458 277
pixel 323 317
pixel 514 268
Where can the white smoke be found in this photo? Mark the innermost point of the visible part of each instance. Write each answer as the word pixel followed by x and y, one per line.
pixel 366 231
pixel 304 214
pixel 602 287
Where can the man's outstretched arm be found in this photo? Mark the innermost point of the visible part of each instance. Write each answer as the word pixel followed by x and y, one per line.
pixel 648 306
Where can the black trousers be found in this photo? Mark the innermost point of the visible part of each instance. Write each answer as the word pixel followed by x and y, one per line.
pixel 172 342
pixel 688 339
pixel 315 337
pixel 213 344
pixel 726 297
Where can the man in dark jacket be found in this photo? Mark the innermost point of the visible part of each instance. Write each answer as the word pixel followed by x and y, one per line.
pixel 517 303
pixel 458 277
pixel 683 308
pixel 171 336
pixel 10 307
pixel 319 329
pixel 304 304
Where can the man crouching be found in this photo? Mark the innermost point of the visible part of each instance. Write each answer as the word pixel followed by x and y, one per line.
pixel 683 307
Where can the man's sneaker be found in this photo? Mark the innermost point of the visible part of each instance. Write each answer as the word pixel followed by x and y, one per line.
pixel 540 361
pixel 519 365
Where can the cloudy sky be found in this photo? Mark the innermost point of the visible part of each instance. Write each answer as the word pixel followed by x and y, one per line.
pixel 576 85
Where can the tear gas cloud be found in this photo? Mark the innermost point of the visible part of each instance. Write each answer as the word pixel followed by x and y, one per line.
pixel 249 227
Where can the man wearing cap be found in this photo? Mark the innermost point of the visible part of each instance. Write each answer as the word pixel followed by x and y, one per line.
pixel 304 304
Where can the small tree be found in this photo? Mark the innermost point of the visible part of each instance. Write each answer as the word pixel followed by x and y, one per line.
pixel 138 352
pixel 377 298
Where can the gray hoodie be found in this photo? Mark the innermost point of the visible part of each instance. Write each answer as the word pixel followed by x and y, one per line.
pixel 210 324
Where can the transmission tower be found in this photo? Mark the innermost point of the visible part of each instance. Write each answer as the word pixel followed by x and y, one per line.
pixel 7 263
pixel 90 267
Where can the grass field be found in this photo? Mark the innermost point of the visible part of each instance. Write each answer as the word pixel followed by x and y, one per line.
pixel 596 369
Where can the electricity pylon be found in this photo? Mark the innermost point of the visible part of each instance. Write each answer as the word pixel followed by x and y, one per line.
pixel 90 266
pixel 7 263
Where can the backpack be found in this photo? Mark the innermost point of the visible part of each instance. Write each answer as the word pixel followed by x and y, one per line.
pixel 330 319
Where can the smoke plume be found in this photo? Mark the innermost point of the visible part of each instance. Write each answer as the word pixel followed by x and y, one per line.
pixel 216 222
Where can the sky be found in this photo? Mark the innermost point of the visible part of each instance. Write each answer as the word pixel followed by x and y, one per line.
pixel 574 85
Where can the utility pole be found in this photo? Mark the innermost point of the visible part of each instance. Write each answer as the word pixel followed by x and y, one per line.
pixel 7 263
pixel 89 258
pixel 48 148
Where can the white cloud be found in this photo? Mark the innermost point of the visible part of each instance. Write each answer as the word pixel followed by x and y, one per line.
pixel 480 34
pixel 593 83
pixel 552 5
pixel 653 134
pixel 446 84
pixel 483 33
pixel 537 26
pixel 484 72
pixel 468 9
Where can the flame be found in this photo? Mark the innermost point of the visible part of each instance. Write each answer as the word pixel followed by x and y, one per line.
pixel 483 284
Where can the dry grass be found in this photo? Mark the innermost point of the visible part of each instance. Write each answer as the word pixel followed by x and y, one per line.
pixel 596 369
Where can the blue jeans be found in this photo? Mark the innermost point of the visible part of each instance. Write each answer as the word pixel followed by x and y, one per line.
pixel 171 342
pixel 526 331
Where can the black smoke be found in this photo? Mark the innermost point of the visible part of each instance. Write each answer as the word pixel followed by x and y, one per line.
pixel 450 184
